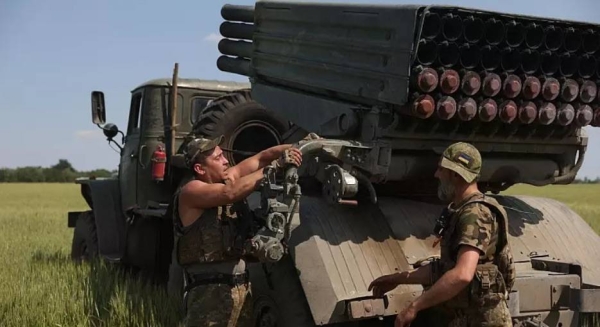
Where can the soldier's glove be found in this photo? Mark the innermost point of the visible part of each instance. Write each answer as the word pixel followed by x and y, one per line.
pixel 291 156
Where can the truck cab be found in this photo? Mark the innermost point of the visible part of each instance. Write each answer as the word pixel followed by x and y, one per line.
pixel 145 132
pixel 126 222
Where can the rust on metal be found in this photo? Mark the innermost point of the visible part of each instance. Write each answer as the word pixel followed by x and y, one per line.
pixel 584 115
pixel 467 109
pixel 492 84
pixel 423 106
pixel 449 81
pixel 569 90
pixel 588 91
pixel 527 112
pixel 471 83
pixel 508 111
pixel 547 113
pixel 446 107
pixel 488 109
pixel 531 87
pixel 512 86
pixel 427 79
pixel 550 89
pixel 566 114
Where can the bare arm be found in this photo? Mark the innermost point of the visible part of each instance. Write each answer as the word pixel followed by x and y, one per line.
pixel 387 283
pixel 420 275
pixel 257 161
pixel 202 195
pixel 452 282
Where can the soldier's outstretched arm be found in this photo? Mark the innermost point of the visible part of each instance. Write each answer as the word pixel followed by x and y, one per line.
pixel 202 195
pixel 386 283
pixel 445 288
pixel 452 282
pixel 263 158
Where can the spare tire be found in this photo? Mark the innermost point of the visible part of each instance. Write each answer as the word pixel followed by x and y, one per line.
pixel 246 125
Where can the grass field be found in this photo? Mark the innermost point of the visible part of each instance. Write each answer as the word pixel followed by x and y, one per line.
pixel 39 286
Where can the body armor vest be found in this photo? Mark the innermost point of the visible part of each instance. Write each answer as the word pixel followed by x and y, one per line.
pixel 209 239
pixel 495 273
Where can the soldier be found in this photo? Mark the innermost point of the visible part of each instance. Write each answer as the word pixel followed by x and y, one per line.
pixel 206 230
pixel 475 272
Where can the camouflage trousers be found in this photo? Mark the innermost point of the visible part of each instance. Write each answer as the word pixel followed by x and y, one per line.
pixel 219 305
pixel 490 316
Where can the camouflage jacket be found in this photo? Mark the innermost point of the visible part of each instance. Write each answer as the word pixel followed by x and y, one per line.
pixel 480 222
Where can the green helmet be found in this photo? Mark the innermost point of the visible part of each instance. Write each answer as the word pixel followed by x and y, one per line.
pixel 464 159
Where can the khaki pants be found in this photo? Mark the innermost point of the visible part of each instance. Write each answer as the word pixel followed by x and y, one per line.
pixel 219 305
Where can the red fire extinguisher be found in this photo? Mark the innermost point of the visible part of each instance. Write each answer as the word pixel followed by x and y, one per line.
pixel 159 159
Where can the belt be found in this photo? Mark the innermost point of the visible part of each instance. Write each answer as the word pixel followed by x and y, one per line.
pixel 216 278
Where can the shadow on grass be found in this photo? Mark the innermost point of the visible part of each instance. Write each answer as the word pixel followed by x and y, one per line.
pixel 114 296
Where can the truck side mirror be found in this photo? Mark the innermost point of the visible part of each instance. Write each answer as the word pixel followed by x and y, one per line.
pixel 98 108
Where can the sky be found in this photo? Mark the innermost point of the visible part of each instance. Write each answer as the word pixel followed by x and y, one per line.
pixel 54 53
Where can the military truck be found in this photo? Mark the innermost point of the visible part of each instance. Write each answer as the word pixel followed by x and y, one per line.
pixel 126 223
pixel 385 88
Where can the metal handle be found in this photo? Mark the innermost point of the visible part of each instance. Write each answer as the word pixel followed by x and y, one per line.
pixel 140 156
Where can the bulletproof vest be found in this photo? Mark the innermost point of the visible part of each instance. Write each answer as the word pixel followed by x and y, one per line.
pixel 209 239
pixel 495 273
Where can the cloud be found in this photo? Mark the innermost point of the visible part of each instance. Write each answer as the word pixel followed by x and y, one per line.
pixel 95 134
pixel 213 37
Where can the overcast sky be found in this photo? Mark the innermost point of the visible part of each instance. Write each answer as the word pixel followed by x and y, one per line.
pixel 54 53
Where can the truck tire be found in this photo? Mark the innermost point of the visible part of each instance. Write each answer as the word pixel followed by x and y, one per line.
pixel 85 239
pixel 245 124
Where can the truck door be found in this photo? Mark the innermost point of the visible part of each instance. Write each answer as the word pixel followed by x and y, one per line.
pixel 131 153
pixel 151 192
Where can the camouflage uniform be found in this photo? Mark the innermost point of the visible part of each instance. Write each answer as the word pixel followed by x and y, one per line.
pixel 481 222
pixel 217 283
pixel 219 305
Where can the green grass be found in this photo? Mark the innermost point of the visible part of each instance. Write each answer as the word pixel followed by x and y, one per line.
pixel 40 286
pixel 582 198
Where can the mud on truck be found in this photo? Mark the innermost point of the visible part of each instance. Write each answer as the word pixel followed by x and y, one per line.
pixel 386 88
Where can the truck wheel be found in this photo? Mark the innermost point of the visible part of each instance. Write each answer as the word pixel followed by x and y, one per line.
pixel 265 312
pixel 245 124
pixel 85 240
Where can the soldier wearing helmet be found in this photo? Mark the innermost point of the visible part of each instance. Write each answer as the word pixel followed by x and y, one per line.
pixel 208 213
pixel 475 272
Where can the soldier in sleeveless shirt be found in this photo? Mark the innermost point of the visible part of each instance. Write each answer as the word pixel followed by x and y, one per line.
pixel 475 272
pixel 205 230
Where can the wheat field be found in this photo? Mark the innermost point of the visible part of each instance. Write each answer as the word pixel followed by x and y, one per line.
pixel 40 286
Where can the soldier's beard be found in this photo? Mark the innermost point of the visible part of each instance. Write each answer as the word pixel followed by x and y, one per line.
pixel 446 191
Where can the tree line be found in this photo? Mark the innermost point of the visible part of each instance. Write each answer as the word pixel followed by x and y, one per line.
pixel 587 180
pixel 62 172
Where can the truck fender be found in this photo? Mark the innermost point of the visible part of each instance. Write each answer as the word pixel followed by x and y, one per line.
pixel 104 198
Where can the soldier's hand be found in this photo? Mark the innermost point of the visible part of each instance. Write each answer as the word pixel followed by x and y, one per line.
pixel 383 284
pixel 229 177
pixel 404 318
pixel 291 156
